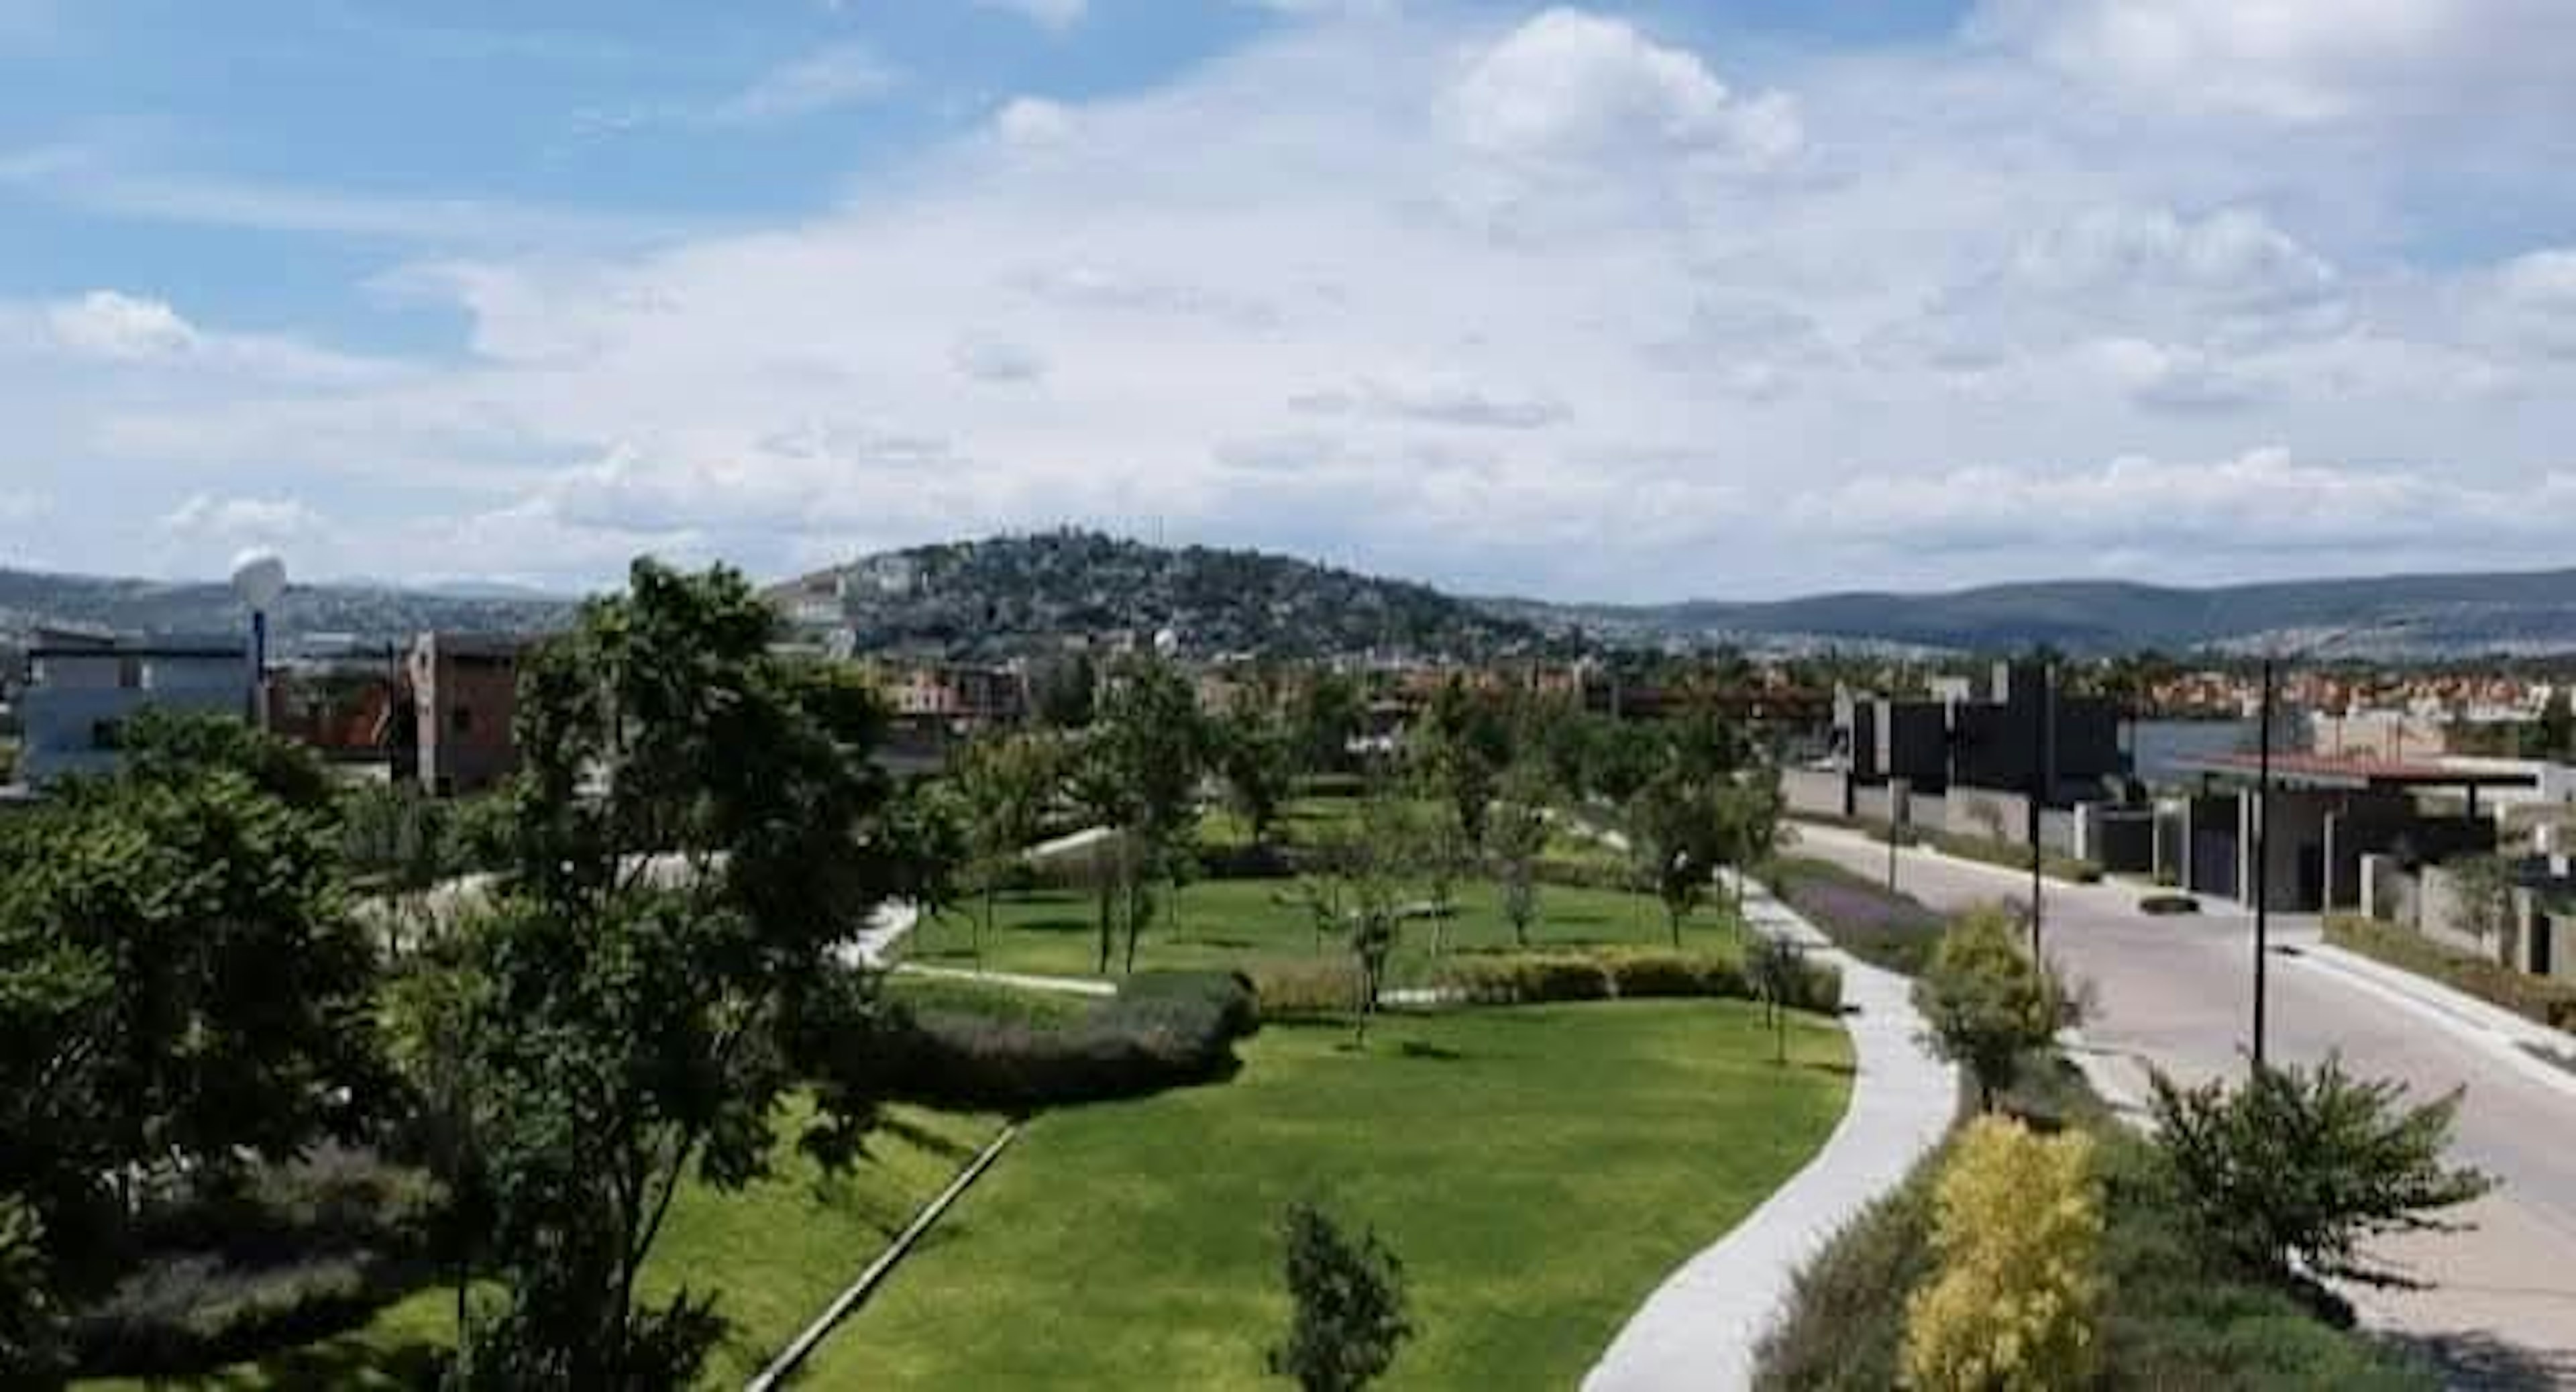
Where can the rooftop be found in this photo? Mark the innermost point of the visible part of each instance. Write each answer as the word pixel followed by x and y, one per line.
pixel 2337 771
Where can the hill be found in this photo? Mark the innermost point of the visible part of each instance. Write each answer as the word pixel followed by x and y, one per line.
pixel 1017 594
pixel 365 613
pixel 2397 616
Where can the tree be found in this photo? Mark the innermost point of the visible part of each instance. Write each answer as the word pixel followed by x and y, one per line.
pixel 1350 1317
pixel 1151 746
pixel 2292 1171
pixel 1779 973
pixel 1371 919
pixel 2012 1306
pixel 696 827
pixel 1674 833
pixel 180 978
pixel 1463 745
pixel 31 1327
pixel 1253 755
pixel 1003 783
pixel 1987 1002
pixel 1324 717
pixel 1515 838
pixel 1062 691
pixel 404 847
pixel 1751 817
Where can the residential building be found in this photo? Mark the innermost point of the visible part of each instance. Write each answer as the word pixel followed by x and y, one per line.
pixel 2024 734
pixel 82 690
pixel 465 697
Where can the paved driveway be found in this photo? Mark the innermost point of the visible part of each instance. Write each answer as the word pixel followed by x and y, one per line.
pixel 2176 991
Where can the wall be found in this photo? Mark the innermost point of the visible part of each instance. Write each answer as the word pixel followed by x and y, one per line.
pixel 2363 823
pixel 2294 856
pixel 1966 819
pixel 1816 792
pixel 2212 851
pixel 2116 838
pixel 62 724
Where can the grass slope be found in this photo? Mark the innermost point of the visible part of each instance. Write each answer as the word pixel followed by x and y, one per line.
pixel 1538 1170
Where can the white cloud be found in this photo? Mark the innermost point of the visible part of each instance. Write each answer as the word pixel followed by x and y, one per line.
pixel 1393 316
pixel 1047 14
pixel 1033 121
pixel 106 324
pixel 206 517
pixel 1569 83
pixel 2301 61
pixel 825 80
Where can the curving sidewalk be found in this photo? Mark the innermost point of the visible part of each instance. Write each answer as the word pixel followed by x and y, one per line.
pixel 1698 1329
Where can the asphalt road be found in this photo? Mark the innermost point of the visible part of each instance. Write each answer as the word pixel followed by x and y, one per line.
pixel 2177 991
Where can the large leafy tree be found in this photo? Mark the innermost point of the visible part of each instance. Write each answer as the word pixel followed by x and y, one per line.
pixel 180 981
pixel 1325 713
pixel 1255 755
pixel 1149 749
pixel 696 827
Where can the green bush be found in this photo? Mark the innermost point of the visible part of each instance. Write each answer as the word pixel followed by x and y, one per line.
pixel 2548 1001
pixel 1844 1328
pixel 1638 973
pixel 1521 978
pixel 1290 990
pixel 1163 1030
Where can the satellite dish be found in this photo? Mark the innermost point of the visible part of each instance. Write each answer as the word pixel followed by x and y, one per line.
pixel 259 578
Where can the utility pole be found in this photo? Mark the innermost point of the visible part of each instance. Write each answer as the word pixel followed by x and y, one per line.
pixel 2039 728
pixel 1899 812
pixel 2262 856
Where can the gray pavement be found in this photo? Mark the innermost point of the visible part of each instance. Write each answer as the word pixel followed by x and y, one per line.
pixel 2176 992
pixel 1697 1330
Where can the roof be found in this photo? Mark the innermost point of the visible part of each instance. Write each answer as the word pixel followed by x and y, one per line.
pixel 233 649
pixel 2334 771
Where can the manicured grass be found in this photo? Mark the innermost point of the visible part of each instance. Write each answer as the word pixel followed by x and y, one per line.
pixel 778 1251
pixel 1539 1170
pixel 1231 923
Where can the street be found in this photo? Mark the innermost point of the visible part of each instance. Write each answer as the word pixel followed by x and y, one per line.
pixel 2176 992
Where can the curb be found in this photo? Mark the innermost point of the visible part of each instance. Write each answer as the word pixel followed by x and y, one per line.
pixel 2498 1031
pixel 806 1342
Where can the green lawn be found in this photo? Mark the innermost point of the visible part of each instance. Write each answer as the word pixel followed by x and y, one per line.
pixel 1227 923
pixel 1538 1170
pixel 778 1251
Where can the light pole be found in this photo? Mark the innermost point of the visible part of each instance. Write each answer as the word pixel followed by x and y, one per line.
pixel 259 579
pixel 2262 857
pixel 2042 717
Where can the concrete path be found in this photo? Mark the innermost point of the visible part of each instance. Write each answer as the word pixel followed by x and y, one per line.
pixel 1061 985
pixel 874 947
pixel 1698 1329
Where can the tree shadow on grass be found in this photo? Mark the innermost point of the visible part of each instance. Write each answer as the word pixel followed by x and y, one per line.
pixel 1419 1049
pixel 331 1365
pixel 2484 1363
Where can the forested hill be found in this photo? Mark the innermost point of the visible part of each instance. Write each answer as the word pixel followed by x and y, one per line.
pixel 1014 594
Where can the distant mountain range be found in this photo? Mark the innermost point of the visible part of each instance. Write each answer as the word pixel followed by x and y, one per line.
pixel 1016 594
pixel 2397 616
pixel 363 613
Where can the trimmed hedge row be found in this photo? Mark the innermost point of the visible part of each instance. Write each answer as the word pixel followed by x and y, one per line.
pixel 2540 998
pixel 1523 978
pixel 1162 1030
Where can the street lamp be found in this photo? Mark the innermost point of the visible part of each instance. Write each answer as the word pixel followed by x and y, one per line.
pixel 259 580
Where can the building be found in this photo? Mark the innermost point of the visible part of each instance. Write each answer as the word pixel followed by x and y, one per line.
pixel 2328 815
pixel 2023 735
pixel 970 696
pixel 465 697
pixel 82 690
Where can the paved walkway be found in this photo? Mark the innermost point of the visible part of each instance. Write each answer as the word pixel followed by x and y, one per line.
pixel 1698 1329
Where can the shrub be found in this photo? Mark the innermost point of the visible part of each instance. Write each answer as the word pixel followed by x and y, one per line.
pixel 2017 1226
pixel 1162 1030
pixel 1573 872
pixel 2165 905
pixel 1988 1004
pixel 1845 1322
pixel 1350 1315
pixel 2544 999
pixel 1522 978
pixel 2291 1172
pixel 1893 931
pixel 1290 990
pixel 1640 973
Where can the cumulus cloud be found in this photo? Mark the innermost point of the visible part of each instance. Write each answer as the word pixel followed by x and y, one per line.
pixel 106 324
pixel 1569 83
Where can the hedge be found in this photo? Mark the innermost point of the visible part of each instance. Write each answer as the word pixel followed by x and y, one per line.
pixel 2543 999
pixel 1162 1030
pixel 296 1253
pixel 1523 978
pixel 1290 990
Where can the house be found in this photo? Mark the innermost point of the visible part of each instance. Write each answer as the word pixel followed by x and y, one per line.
pixel 81 691
pixel 465 696
pixel 2328 815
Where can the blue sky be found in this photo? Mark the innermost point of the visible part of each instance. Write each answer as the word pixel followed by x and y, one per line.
pixel 1641 300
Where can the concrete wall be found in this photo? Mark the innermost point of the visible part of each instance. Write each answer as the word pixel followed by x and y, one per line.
pixel 1816 792
pixel 2295 856
pixel 2116 838
pixel 1914 742
pixel 1874 801
pixel 1967 815
pixel 72 730
pixel 2213 843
